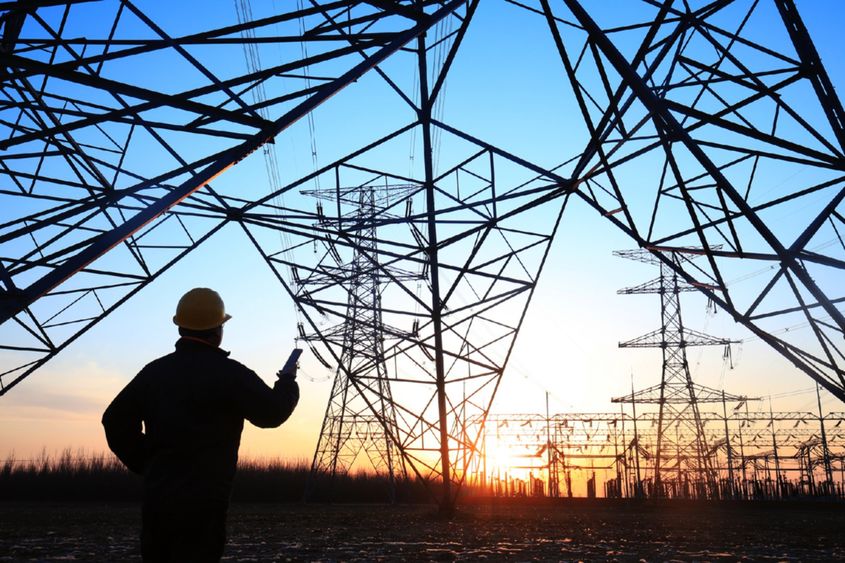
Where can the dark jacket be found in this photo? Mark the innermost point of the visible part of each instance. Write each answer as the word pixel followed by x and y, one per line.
pixel 192 404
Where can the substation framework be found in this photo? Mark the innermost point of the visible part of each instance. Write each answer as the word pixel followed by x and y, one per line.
pixel 123 130
pixel 754 455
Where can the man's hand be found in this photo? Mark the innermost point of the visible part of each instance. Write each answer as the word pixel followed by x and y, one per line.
pixel 288 371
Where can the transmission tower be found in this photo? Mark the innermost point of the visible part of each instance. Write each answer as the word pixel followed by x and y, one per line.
pixel 352 426
pixel 681 436
pixel 687 119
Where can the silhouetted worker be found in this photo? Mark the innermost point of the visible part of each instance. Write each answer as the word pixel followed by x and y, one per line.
pixel 192 404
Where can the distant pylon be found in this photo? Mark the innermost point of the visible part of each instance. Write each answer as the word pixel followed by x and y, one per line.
pixel 354 426
pixel 677 396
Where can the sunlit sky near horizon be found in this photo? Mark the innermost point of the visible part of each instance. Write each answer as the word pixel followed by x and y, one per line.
pixel 505 73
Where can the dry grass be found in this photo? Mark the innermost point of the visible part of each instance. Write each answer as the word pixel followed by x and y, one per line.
pixel 101 477
pixel 68 476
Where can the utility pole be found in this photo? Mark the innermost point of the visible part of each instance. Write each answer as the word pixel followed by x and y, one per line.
pixel 625 457
pixel 780 486
pixel 551 482
pixel 638 489
pixel 728 447
pixel 742 454
pixel 828 470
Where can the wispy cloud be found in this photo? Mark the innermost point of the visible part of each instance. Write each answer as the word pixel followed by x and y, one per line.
pixel 52 405
pixel 79 391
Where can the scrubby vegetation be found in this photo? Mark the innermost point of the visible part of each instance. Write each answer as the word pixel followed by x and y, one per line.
pixel 101 477
pixel 68 476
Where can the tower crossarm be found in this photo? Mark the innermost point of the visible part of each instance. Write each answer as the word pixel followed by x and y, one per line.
pixel 695 338
pixel 337 332
pixel 649 255
pixel 653 339
pixel 654 286
pixel 648 395
pixel 327 275
pixel 703 394
pixel 638 255
pixel 657 339
pixel 383 195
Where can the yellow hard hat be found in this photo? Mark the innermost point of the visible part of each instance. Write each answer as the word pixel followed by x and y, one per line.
pixel 200 309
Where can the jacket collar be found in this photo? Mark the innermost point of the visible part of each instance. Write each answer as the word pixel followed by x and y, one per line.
pixel 189 343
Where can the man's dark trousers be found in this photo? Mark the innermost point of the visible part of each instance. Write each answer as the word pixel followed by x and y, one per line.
pixel 193 532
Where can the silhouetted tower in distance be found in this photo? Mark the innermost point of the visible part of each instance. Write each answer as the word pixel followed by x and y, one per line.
pixel 681 439
pixel 360 417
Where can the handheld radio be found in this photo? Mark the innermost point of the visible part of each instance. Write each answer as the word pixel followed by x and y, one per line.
pixel 289 369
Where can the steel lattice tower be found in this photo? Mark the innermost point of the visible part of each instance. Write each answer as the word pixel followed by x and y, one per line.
pixel 352 426
pixel 681 436
pixel 689 115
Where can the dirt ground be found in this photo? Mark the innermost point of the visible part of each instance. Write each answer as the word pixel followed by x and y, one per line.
pixel 484 530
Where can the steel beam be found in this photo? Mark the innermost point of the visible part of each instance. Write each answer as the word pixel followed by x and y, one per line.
pixel 13 304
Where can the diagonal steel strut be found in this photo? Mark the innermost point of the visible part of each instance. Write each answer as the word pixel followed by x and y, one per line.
pixel 666 121
pixel 15 302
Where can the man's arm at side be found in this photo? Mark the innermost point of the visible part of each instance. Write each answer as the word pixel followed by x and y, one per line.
pixel 122 423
